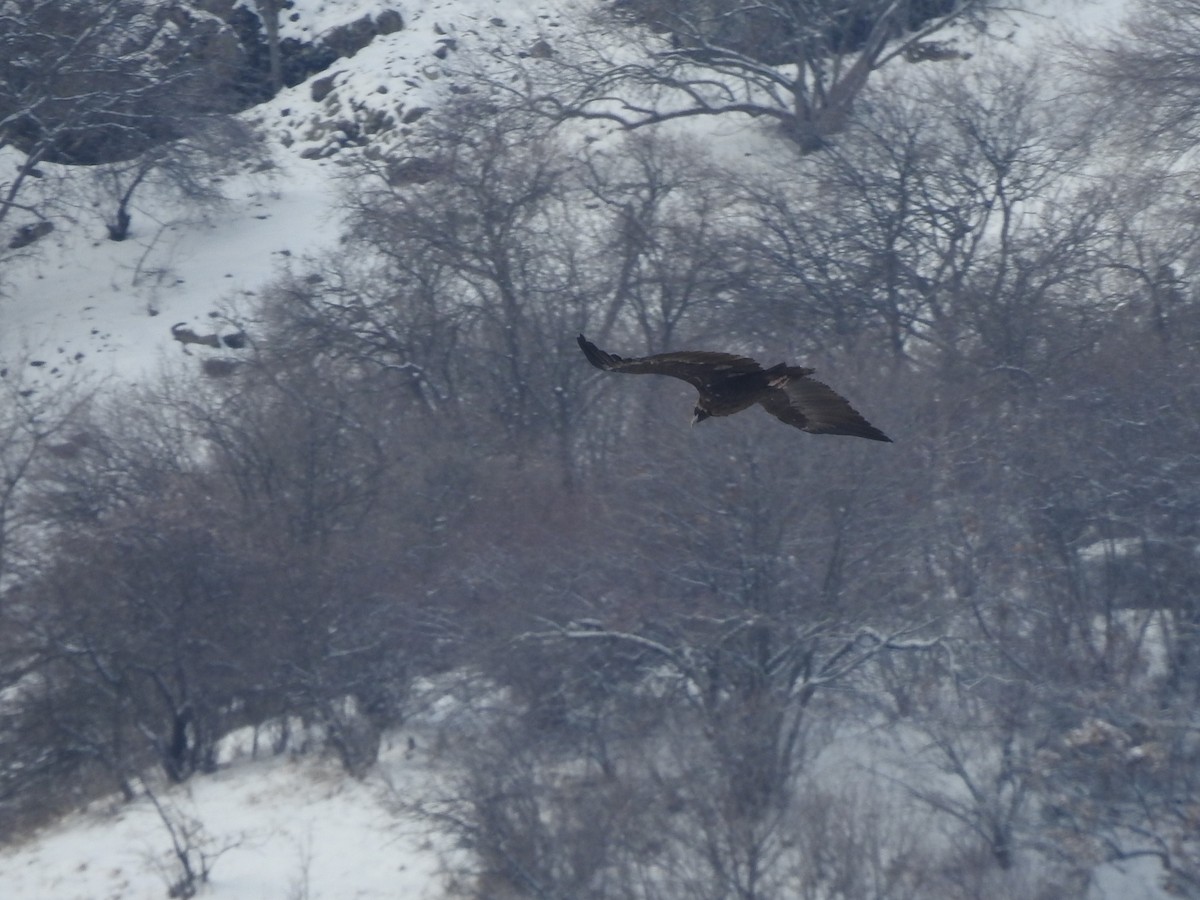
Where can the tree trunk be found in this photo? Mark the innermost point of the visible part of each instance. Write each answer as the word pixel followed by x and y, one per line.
pixel 268 11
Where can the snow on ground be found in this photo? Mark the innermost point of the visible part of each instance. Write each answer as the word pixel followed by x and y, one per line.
pixel 78 302
pixel 308 20
pixel 81 303
pixel 294 828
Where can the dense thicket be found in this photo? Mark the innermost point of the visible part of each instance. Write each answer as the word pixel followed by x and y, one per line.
pixel 735 661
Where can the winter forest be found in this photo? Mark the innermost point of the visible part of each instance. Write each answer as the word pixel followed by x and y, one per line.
pixel 728 662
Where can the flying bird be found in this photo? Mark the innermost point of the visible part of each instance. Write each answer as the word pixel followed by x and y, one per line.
pixel 728 384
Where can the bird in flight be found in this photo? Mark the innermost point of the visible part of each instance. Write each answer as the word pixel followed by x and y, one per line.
pixel 728 384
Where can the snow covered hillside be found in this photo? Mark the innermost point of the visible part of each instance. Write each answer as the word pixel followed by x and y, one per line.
pixel 78 308
pixel 282 827
pixel 82 302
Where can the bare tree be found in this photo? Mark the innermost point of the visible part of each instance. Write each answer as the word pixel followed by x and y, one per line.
pixel 1147 75
pixel 800 63
pixel 1120 785
pixel 268 12
pixel 689 667
pixel 926 232
pixel 35 425
pixel 189 169
pixel 666 220
pixel 194 849
pixel 111 82
pixel 508 246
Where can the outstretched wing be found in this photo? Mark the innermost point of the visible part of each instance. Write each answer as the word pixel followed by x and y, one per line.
pixel 697 367
pixel 817 408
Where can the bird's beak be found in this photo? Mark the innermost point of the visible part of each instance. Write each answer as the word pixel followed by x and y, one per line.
pixel 695 419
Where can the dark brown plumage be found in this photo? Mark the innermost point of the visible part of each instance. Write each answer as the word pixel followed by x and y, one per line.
pixel 728 384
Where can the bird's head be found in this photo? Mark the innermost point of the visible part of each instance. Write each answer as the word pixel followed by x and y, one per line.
pixel 699 414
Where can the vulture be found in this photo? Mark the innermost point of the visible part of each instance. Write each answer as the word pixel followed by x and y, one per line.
pixel 728 384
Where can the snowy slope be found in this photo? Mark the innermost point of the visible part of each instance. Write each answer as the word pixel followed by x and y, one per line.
pixel 84 302
pixel 81 303
pixel 288 828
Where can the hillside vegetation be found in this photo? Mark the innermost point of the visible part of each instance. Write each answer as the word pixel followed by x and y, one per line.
pixel 734 661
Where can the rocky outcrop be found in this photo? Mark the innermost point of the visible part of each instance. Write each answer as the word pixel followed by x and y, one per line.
pixel 198 57
pixel 347 40
pixel 27 234
pixel 85 84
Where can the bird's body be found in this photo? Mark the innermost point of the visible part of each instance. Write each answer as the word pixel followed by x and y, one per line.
pixel 729 384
